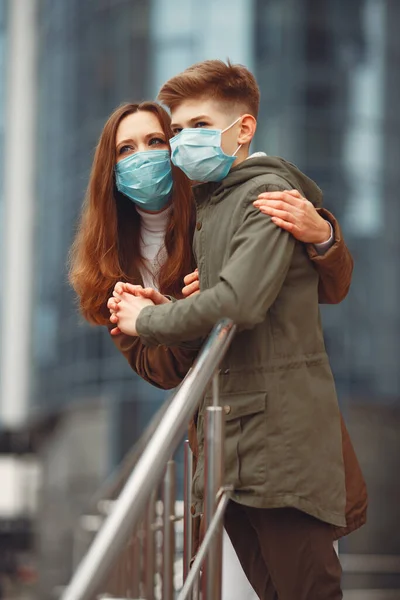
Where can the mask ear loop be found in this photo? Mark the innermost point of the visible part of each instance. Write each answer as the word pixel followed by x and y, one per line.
pixel 237 149
pixel 226 129
pixel 231 125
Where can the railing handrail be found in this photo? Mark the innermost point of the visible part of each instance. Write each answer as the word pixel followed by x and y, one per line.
pixel 129 507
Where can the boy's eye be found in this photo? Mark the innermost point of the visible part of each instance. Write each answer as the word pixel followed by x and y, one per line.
pixel 201 124
pixel 177 130
pixel 157 142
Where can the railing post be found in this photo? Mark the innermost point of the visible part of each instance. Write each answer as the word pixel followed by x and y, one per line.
pixel 196 589
pixel 135 564
pixel 215 388
pixel 214 475
pixel 169 532
pixel 150 548
pixel 187 514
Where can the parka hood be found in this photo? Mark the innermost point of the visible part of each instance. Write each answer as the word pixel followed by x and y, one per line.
pixel 262 165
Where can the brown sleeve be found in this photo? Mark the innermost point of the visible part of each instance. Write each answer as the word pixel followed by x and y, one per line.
pixel 162 366
pixel 335 267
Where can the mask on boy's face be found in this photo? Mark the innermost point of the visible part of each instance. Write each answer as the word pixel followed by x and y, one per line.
pixel 198 153
pixel 146 178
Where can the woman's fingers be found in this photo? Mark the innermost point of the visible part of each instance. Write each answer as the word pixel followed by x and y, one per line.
pixel 292 197
pixel 115 331
pixel 154 296
pixel 192 284
pixel 284 224
pixel 281 213
pixel 192 288
pixel 133 289
pixel 191 277
pixel 122 287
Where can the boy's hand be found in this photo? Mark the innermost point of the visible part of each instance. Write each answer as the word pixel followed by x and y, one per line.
pixel 126 311
pixel 192 284
pixel 138 290
pixel 294 213
pixel 121 292
pixel 112 305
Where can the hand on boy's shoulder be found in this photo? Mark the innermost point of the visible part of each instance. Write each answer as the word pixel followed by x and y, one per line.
pixel 289 210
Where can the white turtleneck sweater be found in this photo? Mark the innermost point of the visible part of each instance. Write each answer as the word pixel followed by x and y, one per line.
pixel 152 235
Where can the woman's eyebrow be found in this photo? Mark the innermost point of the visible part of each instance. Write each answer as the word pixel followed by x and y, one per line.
pixel 155 134
pixel 130 140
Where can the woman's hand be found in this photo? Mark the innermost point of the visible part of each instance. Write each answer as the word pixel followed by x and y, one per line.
pixel 192 284
pixel 290 211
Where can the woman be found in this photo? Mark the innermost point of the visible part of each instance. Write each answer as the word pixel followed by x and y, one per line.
pixel 109 244
pixel 137 225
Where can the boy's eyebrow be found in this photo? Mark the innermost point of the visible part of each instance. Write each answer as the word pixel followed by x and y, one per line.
pixel 191 121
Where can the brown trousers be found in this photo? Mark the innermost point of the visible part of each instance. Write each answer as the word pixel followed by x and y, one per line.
pixel 286 554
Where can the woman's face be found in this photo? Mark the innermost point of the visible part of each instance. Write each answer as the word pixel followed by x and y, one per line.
pixel 139 132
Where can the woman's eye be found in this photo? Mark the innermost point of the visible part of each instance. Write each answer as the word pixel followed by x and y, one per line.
pixel 125 149
pixel 157 142
pixel 201 124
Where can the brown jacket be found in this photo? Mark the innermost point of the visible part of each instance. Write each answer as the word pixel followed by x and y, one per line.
pixel 166 366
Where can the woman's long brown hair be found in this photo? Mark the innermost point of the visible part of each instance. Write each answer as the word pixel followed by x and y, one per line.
pixel 106 248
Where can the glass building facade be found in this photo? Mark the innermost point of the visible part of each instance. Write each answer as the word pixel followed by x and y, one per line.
pixel 93 56
pixel 330 87
pixel 328 83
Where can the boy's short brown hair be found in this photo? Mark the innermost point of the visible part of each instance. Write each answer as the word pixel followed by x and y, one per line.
pixel 214 79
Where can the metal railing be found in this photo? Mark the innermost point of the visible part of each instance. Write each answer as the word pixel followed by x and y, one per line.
pixel 134 523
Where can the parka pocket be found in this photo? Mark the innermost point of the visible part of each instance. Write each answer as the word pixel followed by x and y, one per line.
pixel 245 444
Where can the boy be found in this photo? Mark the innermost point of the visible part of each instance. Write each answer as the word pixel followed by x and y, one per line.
pixel 283 437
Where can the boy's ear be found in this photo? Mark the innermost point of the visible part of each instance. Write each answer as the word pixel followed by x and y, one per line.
pixel 247 129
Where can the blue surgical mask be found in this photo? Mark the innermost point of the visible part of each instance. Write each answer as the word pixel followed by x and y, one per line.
pixel 198 153
pixel 146 178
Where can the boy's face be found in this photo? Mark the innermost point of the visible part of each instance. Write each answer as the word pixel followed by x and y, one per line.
pixel 209 114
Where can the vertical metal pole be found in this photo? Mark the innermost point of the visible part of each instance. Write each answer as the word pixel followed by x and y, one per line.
pixel 215 388
pixel 169 532
pixel 135 566
pixel 196 590
pixel 19 212
pixel 187 504
pixel 150 548
pixel 214 475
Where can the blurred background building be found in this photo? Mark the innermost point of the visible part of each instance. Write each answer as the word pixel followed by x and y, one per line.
pixel 330 84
